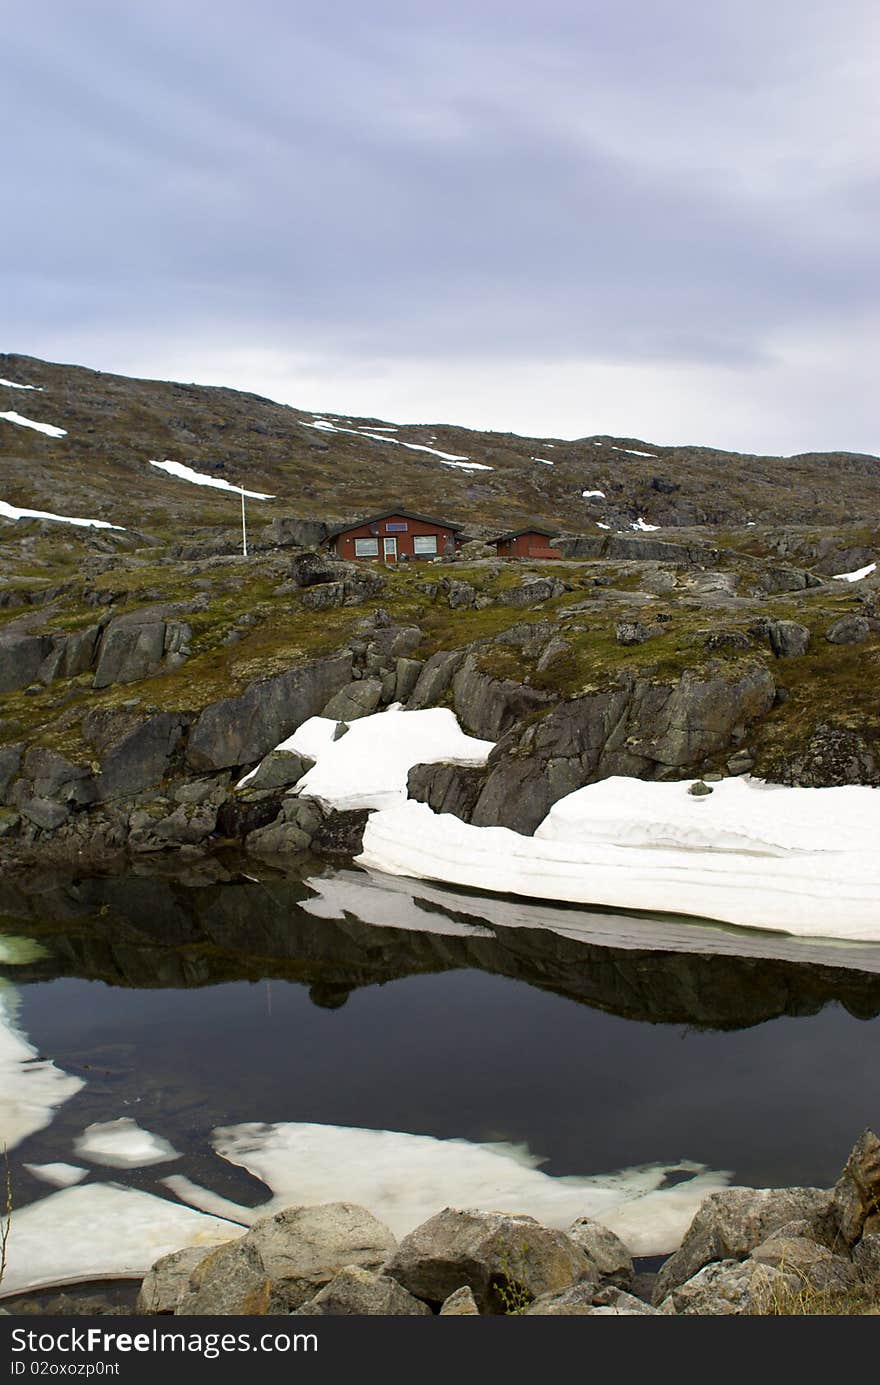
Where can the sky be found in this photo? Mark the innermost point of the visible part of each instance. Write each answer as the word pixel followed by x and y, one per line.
pixel 652 218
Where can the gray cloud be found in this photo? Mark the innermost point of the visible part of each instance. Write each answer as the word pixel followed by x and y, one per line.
pixel 648 185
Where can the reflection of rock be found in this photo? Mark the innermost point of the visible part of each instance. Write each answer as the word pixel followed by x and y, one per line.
pixel 148 931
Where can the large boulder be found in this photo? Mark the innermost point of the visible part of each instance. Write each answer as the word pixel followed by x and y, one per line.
pixel 162 1287
pixel 230 1280
pixel 358 699
pixel 606 1251
pixel 241 730
pixel 355 1292
pixel 496 1254
pixel 435 678
pixel 848 630
pixel 814 1264
pixel 787 638
pixel 20 659
pixel 730 1224
pixel 134 647
pixel 139 755
pixel 279 770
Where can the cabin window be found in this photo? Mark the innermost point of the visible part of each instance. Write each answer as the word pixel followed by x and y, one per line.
pixel 366 548
pixel 425 543
pixel 396 528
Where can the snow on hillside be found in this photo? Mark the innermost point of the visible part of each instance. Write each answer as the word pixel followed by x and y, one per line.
pixel 588 495
pixel 448 458
pixel 644 526
pixel 14 385
pixel 855 576
pixel 49 429
pixel 13 512
pixel 198 478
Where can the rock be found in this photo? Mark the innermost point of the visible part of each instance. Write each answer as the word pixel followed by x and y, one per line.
pixel 277 839
pixel 54 776
pixel 532 592
pixel 435 678
pixel 406 676
pixel 857 1191
pixel 494 1253
pixel 832 755
pixel 20 659
pixel 774 580
pixel 129 651
pixel 624 547
pixel 359 699
pixel 866 1257
pixel 848 630
pixel 487 706
pixel 355 1292
pixel 741 762
pixel 162 1287
pixel 611 1299
pixel 460 594
pixel 141 757
pixel 43 812
pixel 341 833
pixel 241 730
pixel 605 1250
pixel 787 638
pixel 186 825
pixel 700 789
pixel 631 632
pixel 322 598
pixel 279 770
pixel 71 654
pixel 303 1248
pixel 446 788
pixel 460 1304
pixel 9 822
pixel 574 1301
pixel 810 1262
pixel 388 644
pixel 10 764
pixel 731 1287
pixel 231 1280
pixel 556 649
pixel 729 1224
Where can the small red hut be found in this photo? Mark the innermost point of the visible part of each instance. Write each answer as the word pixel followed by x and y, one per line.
pixel 393 536
pixel 532 542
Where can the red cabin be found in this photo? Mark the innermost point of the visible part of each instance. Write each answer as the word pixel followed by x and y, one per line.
pixel 393 536
pixel 533 542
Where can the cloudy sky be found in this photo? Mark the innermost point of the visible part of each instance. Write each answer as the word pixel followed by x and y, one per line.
pixel 655 218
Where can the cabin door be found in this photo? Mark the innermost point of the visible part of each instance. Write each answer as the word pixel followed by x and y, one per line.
pixel 390 548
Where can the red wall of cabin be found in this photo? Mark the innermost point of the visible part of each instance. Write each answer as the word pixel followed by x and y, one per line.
pixel 343 544
pixel 529 545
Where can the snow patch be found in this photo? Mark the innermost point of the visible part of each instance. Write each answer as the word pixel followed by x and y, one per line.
pixel 49 429
pixel 449 458
pixel 644 526
pixel 545 461
pixel 795 860
pixel 13 512
pixel 632 451
pixel 123 1144
pixel 855 576
pixel 587 495
pixel 198 478
pixel 404 1179
pixel 100 1231
pixel 368 766
pixel 59 1175
pixel 600 525
pixel 14 385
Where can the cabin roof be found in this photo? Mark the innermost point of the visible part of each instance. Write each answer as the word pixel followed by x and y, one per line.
pixel 541 529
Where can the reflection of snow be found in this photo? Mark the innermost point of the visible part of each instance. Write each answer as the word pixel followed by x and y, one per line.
pixel 100 1231
pixel 405 1179
pixel 30 1087
pixel 123 1144
pixel 802 861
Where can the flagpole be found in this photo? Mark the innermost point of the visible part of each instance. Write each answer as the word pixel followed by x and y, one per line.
pixel 243 526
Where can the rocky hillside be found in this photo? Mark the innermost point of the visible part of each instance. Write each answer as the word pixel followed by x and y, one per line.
pixel 144 669
pixel 329 467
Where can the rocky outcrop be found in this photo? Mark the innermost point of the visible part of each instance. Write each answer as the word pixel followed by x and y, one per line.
pixel 637 727
pixel 832 755
pixel 240 730
pixel 488 707
pixel 139 646
pixel 623 547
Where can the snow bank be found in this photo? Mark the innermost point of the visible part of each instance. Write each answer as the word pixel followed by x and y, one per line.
pixel 14 385
pixel 198 478
pixel 632 451
pixel 588 495
pixel 13 512
pixel 855 576
pixel 449 458
pixel 795 860
pixel 644 526
pixel 404 1179
pixel 100 1231
pixel 47 428
pixel 546 461
pixel 30 1087
pixel 123 1144
pixel 368 766
pixel 59 1175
